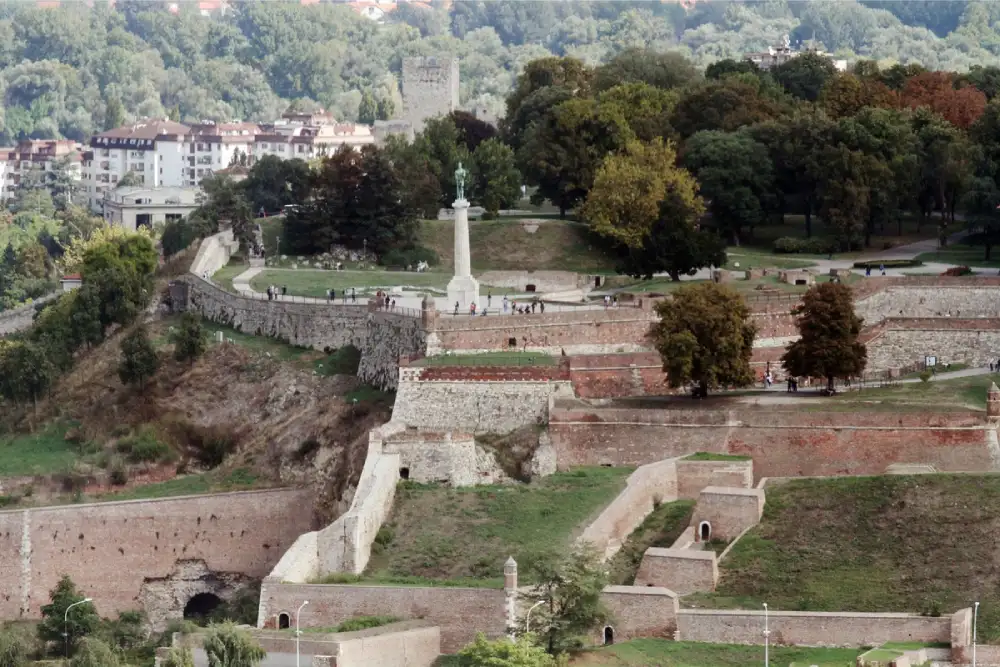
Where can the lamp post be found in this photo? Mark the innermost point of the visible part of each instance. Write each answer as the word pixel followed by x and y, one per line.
pixel 66 621
pixel 527 619
pixel 975 617
pixel 767 634
pixel 297 632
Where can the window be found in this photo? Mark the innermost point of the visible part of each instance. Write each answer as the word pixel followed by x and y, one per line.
pixel 281 148
pixel 263 146
pixel 302 148
pixel 114 178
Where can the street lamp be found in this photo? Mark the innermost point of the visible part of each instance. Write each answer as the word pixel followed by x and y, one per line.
pixel 527 620
pixel 66 621
pixel 767 634
pixel 297 632
pixel 975 616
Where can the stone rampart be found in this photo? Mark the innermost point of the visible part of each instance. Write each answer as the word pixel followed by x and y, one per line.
pixel 645 488
pixel 241 533
pixel 531 281
pixel 640 611
pixel 214 253
pixel 443 458
pixel 728 511
pixel 21 318
pixel 901 342
pixel 684 571
pixel 693 476
pixel 383 337
pixel 473 406
pixel 617 375
pixel 459 612
pixel 782 444
pixel 808 628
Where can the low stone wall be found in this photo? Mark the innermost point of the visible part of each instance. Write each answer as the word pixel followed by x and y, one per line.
pixel 214 253
pixel 781 443
pixel 877 299
pixel 413 644
pixel 459 612
pixel 19 319
pixel 474 407
pixel 444 458
pixel 617 375
pixel 647 486
pixel 683 571
pixel 728 511
pixel 807 628
pixel 900 343
pixel 640 611
pixel 519 281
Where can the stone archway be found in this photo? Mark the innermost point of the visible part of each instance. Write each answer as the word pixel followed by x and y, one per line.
pixel 609 635
pixel 200 607
pixel 704 531
pixel 168 598
pixel 284 621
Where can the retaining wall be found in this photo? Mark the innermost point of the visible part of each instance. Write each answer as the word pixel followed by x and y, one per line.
pixel 807 628
pixel 19 319
pixel 242 533
pixel 729 511
pixel 650 484
pixel 473 406
pixel 693 476
pixel 444 458
pixel 900 342
pixel 781 444
pixel 640 611
pixel 683 571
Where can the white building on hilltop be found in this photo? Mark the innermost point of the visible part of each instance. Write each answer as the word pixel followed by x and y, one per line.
pixel 134 207
pixel 782 52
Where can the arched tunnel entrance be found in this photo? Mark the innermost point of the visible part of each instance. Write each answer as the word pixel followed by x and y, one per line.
pixel 200 607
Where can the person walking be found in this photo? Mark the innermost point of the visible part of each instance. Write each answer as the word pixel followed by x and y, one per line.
pixel 506 304
pixel 881 267
pixel 489 299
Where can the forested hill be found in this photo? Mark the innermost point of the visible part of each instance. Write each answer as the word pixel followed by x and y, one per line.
pixel 75 70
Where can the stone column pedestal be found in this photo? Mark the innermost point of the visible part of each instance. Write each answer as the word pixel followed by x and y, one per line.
pixel 463 289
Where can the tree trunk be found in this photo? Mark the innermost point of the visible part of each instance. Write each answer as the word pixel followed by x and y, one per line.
pixel 989 249
pixel 675 276
pixel 829 383
pixel 809 220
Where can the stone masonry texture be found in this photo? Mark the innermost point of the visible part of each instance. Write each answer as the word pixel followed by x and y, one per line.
pixel 728 511
pixel 683 571
pixel 809 628
pixel 111 550
pixel 782 444
pixel 640 611
pixel 430 88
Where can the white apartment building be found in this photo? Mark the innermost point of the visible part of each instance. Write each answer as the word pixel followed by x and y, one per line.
pixel 163 153
pixel 133 207
pixel 31 159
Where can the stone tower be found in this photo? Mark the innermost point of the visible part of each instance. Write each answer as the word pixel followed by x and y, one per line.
pixel 510 594
pixel 430 88
pixel 993 404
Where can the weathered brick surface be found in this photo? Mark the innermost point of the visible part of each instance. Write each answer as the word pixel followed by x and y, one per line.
pixel 693 476
pixel 728 511
pixel 640 611
pixel 459 612
pixel 108 549
pixel 780 443
pixel 900 342
pixel 495 373
pixel 809 628
pixel 684 571
pixel 617 375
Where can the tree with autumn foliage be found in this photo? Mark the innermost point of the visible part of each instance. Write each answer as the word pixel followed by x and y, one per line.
pixel 828 345
pixel 705 337
pixel 936 91
pixel 845 95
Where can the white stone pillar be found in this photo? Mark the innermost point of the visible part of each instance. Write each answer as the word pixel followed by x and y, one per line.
pixel 463 289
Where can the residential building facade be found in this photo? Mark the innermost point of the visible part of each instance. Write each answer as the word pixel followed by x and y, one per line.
pixel 33 159
pixel 134 207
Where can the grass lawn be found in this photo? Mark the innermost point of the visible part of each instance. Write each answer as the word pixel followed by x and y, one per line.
pixel 664 653
pixel 508 245
pixel 660 529
pixel 920 544
pixel 711 456
pixel 962 254
pixel 750 257
pixel 445 533
pixel 314 282
pixel 489 359
pixel 240 479
pixel 966 393
pixel 224 276
pixel 42 453
pixel 793 226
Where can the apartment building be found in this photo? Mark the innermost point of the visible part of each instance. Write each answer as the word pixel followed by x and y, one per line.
pixel 162 153
pixel 133 207
pixel 32 159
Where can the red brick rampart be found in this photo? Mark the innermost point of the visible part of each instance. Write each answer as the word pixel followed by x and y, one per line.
pixel 495 373
pixel 782 444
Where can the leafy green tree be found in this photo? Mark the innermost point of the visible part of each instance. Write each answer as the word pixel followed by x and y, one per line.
pixel 33 261
pixel 471 130
pixel 228 646
pixel 646 109
pixel 496 180
pixel 569 588
pixel 92 652
pixel 273 183
pixel 544 83
pixel 736 176
pixel 828 344
pixel 524 652
pixel 385 109
pixel 36 200
pixel 726 67
pixel 189 338
pixel 130 179
pixel 138 358
pixel 81 621
pixel 368 110
pixel 805 75
pixel 28 371
pixel 638 65
pixel 114 113
pixel 442 147
pixel 420 187
pixel 725 105
pixel 562 153
pixel 672 247
pixel 705 336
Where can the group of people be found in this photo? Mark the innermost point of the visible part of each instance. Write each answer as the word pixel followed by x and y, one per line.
pixel 383 300
pixel 331 295
pixel 791 382
pixel 868 270
pixel 273 291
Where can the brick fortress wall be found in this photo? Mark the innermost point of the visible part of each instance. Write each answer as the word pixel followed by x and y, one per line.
pixel 243 533
pixel 782 444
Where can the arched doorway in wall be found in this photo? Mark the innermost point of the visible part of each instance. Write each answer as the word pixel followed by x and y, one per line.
pixel 201 606
pixel 609 635
pixel 284 621
pixel 704 531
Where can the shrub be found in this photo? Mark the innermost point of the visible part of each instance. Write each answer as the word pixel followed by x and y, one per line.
pixel 817 246
pixel 365 622
pixel 925 375
pixel 958 271
pixel 409 257
pixel 143 447
pixel 189 338
pixel 118 474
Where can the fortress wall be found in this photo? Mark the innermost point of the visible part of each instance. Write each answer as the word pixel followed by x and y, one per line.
pixel 809 628
pixel 780 443
pixel 904 341
pixel 459 612
pixel 877 299
pixel 473 406
pixel 243 532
